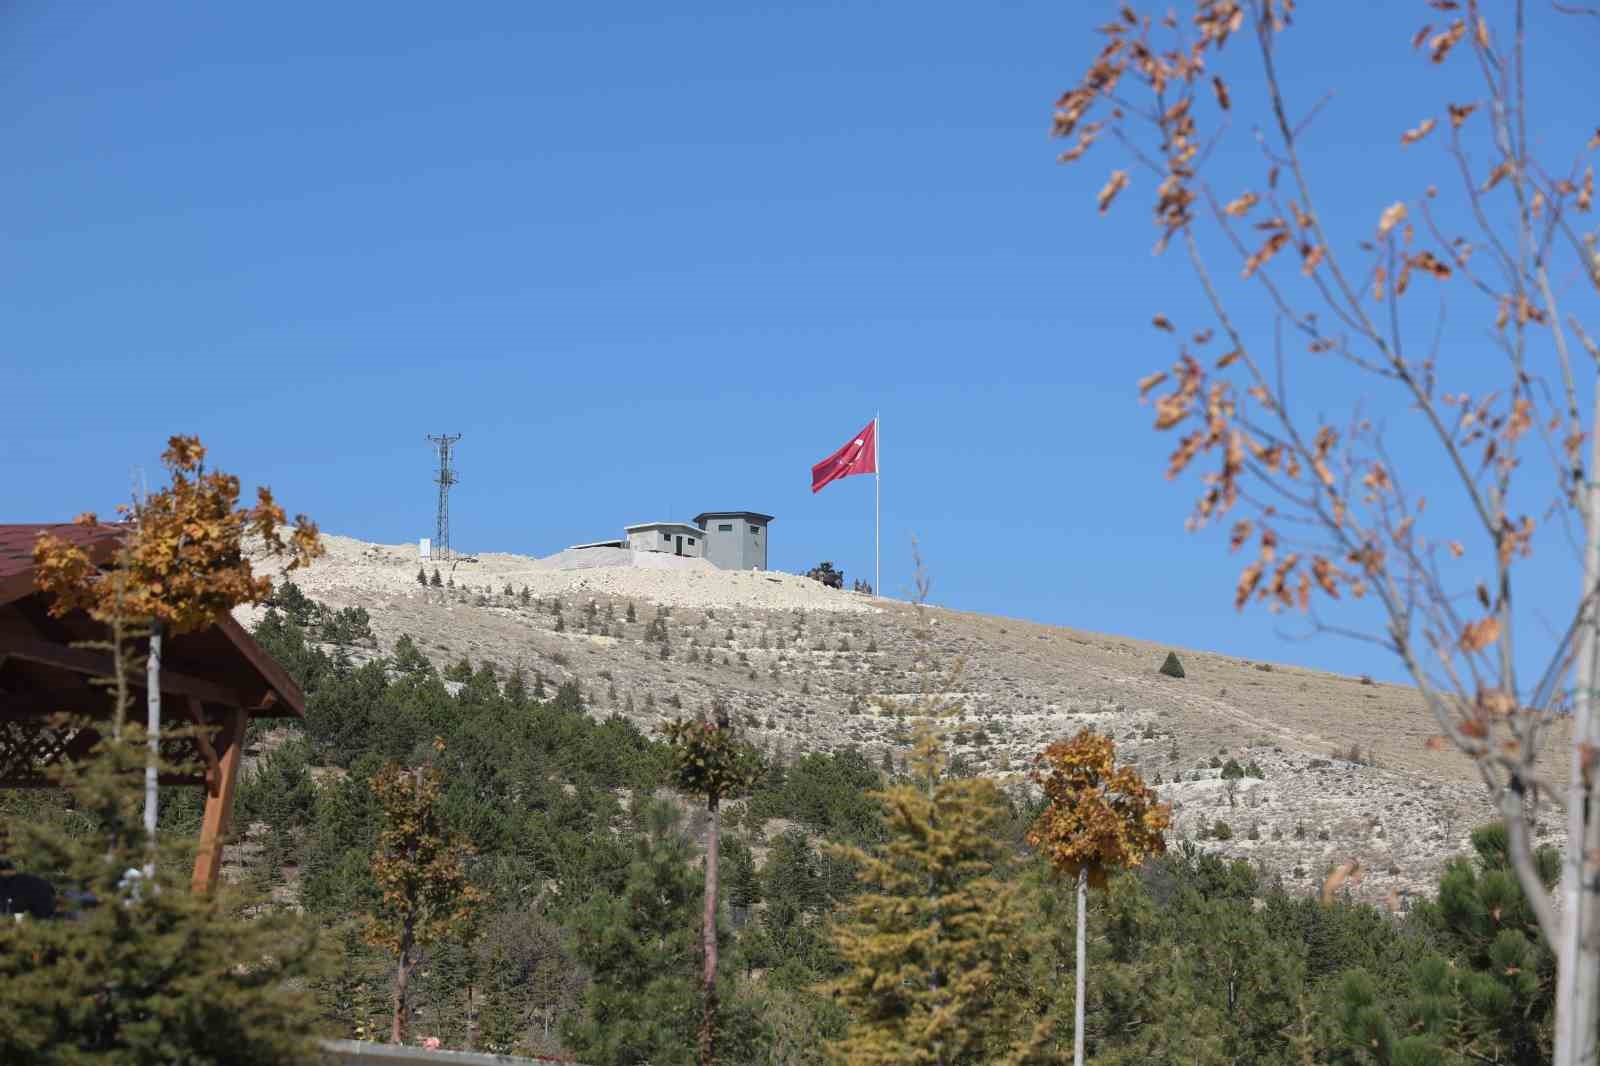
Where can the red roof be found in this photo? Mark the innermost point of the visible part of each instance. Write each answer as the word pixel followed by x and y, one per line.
pixel 16 551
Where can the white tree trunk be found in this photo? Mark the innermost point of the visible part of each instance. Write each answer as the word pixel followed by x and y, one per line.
pixel 1083 938
pixel 153 740
pixel 1578 953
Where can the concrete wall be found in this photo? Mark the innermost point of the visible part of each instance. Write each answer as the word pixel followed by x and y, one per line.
pixel 736 548
pixel 665 539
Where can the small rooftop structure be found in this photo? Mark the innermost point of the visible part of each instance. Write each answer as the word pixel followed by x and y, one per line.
pixel 735 540
pixel 598 544
pixel 218 678
pixel 674 538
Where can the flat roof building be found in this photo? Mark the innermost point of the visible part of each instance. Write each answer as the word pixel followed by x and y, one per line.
pixel 674 538
pixel 735 540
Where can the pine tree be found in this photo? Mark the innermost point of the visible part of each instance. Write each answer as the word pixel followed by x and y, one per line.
pixel 147 971
pixel 422 576
pixel 710 761
pixel 436 581
pixel 1099 817
pixel 639 946
pixel 932 943
pixel 1489 997
pixel 421 871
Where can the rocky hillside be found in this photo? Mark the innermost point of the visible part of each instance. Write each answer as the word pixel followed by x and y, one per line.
pixel 1345 773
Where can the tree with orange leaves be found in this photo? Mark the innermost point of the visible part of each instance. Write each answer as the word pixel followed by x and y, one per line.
pixel 182 566
pixel 1320 463
pixel 1099 817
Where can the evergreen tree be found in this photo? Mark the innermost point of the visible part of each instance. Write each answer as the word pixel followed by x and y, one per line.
pixel 422 576
pixel 933 941
pixel 639 944
pixel 143 971
pixel 1488 995
pixel 436 581
pixel 710 761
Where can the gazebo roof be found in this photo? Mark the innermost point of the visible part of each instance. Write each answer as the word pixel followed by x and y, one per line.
pixel 221 665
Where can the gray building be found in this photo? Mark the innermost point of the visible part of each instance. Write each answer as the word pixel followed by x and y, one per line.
pixel 735 540
pixel 674 538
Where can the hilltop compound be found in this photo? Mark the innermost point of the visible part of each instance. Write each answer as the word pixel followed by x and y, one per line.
pixel 729 540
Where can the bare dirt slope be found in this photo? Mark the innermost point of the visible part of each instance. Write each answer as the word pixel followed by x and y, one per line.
pixel 808 668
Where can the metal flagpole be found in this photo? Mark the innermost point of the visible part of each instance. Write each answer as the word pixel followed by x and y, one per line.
pixel 877 507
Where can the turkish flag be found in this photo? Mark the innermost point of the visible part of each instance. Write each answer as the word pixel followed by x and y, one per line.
pixel 858 456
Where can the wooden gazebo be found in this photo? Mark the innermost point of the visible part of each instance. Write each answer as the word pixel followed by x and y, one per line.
pixel 219 678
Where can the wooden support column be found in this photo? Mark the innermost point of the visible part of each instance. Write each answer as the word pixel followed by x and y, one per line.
pixel 220 784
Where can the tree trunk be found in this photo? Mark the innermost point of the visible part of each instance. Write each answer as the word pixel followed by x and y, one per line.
pixel 1578 953
pixel 1083 937
pixel 152 764
pixel 402 979
pixel 708 1010
pixel 472 1020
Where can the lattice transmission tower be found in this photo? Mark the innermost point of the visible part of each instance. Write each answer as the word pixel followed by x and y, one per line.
pixel 445 478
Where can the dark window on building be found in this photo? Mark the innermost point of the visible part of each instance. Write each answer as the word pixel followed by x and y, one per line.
pixel 756 530
pixel 691 540
pixel 725 527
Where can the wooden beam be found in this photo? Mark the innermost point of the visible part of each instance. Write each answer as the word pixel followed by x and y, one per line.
pixel 97 664
pixel 219 804
pixel 202 740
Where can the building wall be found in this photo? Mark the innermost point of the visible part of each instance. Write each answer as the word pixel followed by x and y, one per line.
pixel 737 548
pixel 665 540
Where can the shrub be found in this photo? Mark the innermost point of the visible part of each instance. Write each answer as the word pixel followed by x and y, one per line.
pixel 1222 830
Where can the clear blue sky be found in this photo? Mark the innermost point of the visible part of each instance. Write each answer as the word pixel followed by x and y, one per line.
pixel 649 259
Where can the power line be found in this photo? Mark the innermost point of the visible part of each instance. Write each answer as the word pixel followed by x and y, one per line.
pixel 445 478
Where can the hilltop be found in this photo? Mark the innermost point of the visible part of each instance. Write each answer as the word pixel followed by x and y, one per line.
pixel 1345 769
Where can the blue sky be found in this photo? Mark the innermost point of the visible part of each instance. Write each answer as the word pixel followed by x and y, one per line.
pixel 648 259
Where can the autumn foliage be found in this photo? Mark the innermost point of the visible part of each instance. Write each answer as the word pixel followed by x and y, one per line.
pixel 1099 816
pixel 421 871
pixel 185 561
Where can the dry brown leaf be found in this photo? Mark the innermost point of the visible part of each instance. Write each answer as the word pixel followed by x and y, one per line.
pixel 1162 322
pixel 1421 35
pixel 1150 381
pixel 1229 359
pixel 1459 113
pixel 1586 190
pixel 1441 43
pixel 1115 184
pixel 1313 256
pixel 1379 278
pixel 1416 133
pixel 1221 89
pixel 1392 216
pixel 1594 142
pixel 1427 261
pixel 1456 550
pixel 1274 244
pixel 1496 175
pixel 1480 634
pixel 1242 204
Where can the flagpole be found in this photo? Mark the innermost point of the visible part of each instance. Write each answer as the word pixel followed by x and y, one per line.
pixel 877 507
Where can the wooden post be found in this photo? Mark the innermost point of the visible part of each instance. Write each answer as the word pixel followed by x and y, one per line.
pixel 220 785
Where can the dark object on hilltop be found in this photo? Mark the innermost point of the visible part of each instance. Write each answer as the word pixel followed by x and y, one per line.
pixel 833 579
pixel 1172 667
pixel 864 587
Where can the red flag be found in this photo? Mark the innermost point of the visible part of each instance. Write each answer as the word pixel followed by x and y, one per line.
pixel 858 456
